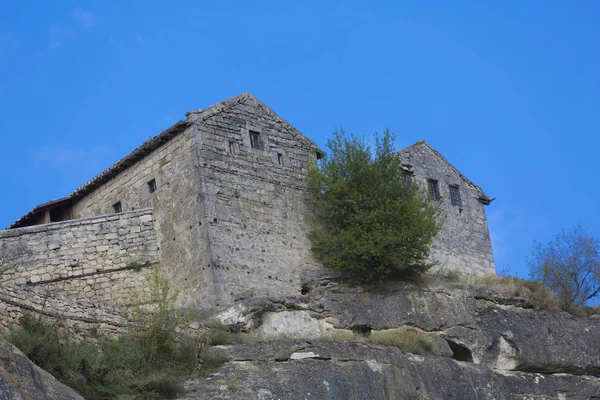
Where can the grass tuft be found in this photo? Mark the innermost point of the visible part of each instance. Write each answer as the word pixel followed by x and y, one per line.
pixel 407 339
pixel 540 296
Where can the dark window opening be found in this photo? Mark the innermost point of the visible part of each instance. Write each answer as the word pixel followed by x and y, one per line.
pixel 231 148
pixel 118 207
pixel 407 178
pixel 152 185
pixel 61 213
pixel 455 196
pixel 434 189
pixel 254 140
pixel 279 158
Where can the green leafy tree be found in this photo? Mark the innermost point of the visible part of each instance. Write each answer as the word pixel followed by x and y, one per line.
pixel 569 264
pixel 369 224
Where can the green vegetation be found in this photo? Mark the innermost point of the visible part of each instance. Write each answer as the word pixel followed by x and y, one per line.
pixel 219 334
pixel 370 223
pixel 407 339
pixel 570 266
pixel 137 265
pixel 148 362
pixel 110 367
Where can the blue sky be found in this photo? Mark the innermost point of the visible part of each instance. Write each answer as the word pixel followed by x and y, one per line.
pixel 508 91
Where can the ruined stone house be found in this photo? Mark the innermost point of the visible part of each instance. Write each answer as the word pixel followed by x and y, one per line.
pixel 219 200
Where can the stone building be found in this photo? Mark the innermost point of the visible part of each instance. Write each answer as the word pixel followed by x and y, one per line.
pixel 463 243
pixel 222 196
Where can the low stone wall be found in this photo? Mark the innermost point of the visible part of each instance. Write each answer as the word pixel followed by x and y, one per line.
pixel 82 319
pixel 105 258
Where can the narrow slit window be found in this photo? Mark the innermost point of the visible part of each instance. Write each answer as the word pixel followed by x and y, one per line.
pixel 118 207
pixel 455 196
pixel 279 158
pixel 152 185
pixel 231 148
pixel 407 178
pixel 434 189
pixel 254 140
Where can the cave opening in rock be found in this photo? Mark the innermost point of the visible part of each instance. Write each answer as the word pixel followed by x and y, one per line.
pixel 364 330
pixel 305 289
pixel 460 352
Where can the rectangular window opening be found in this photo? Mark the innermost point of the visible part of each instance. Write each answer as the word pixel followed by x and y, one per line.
pixel 279 158
pixel 231 148
pixel 434 189
pixel 455 196
pixel 254 140
pixel 118 207
pixel 407 178
pixel 152 185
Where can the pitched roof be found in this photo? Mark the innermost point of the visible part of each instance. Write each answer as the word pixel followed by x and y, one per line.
pixel 149 146
pixel 482 197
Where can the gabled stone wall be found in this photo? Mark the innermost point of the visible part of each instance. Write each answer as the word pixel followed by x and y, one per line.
pixel 255 200
pixel 104 258
pixel 464 242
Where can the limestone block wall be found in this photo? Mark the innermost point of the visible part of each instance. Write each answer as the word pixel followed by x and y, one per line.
pixel 464 242
pixel 180 229
pixel 81 319
pixel 255 200
pixel 104 258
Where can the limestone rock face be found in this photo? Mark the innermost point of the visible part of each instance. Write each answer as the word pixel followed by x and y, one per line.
pixel 350 370
pixel 487 345
pixel 21 379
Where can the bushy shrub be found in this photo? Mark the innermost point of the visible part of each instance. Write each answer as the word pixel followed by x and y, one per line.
pixel 569 264
pixel 149 362
pixel 370 223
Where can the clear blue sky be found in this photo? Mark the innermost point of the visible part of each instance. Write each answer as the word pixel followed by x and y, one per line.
pixel 508 91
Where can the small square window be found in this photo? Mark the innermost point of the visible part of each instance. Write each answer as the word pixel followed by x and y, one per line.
pixel 434 189
pixel 407 178
pixel 118 207
pixel 152 185
pixel 279 158
pixel 231 147
pixel 455 196
pixel 255 140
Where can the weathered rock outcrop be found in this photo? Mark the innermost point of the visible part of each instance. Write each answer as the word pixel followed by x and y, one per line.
pixel 496 330
pixel 350 370
pixel 497 346
pixel 20 379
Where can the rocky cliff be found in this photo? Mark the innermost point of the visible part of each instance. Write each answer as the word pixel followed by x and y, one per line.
pixel 342 342
pixel 484 345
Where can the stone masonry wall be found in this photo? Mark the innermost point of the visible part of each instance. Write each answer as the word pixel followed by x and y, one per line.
pixel 464 243
pixel 81 319
pixel 255 200
pixel 181 233
pixel 105 258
